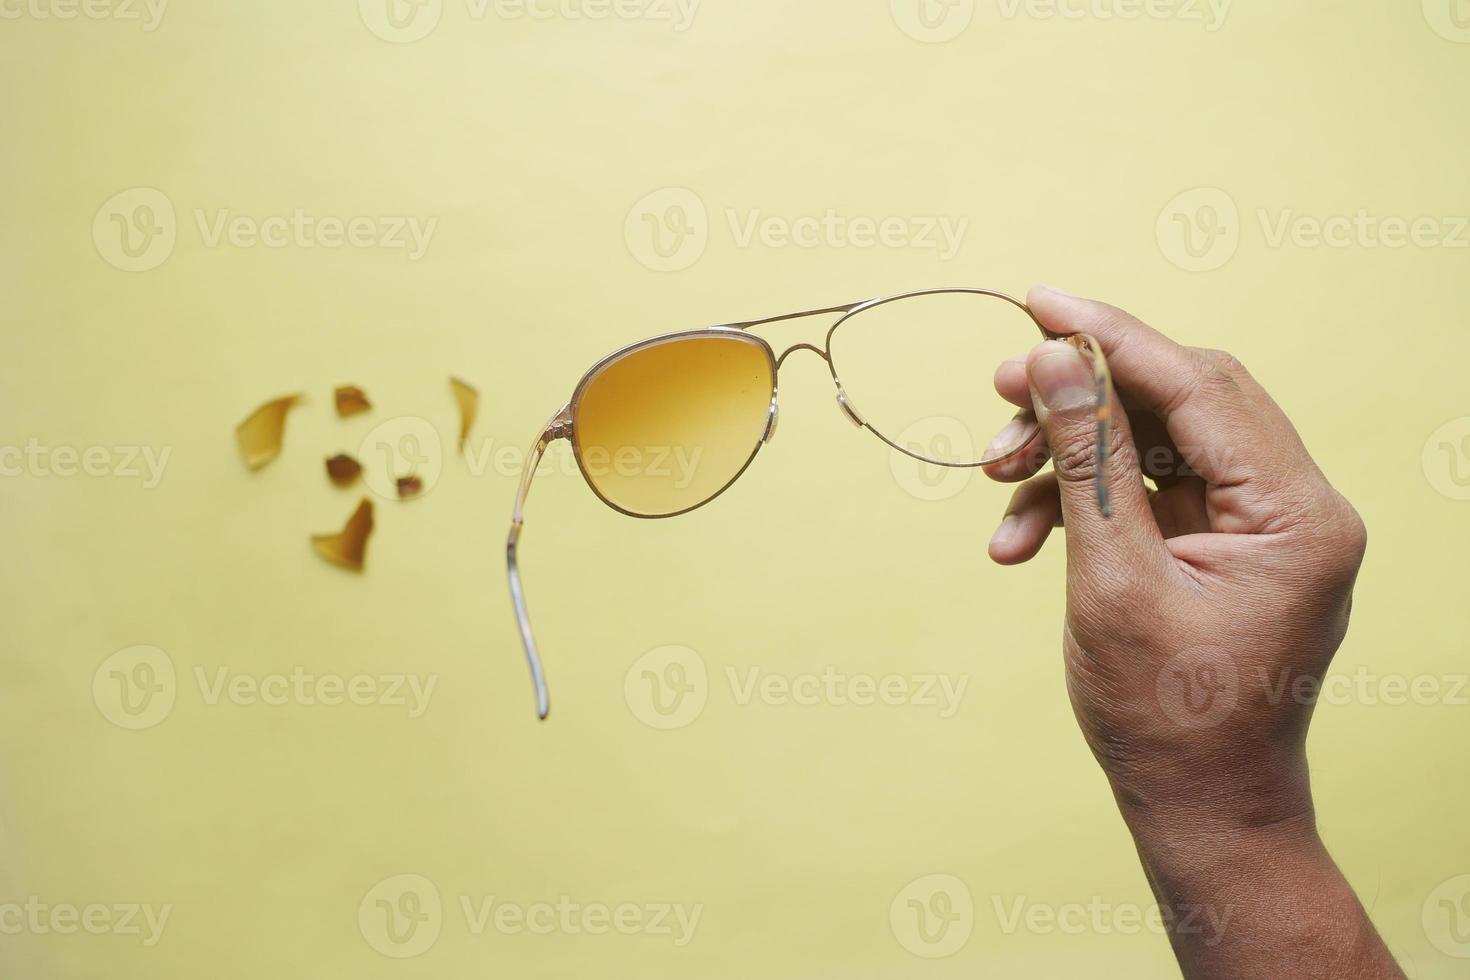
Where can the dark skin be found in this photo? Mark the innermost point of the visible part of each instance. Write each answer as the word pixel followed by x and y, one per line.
pixel 1200 618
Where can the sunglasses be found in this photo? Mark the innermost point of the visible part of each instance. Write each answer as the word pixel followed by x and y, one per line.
pixel 664 426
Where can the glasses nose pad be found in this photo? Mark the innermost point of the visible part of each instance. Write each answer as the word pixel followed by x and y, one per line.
pixel 848 409
pixel 773 421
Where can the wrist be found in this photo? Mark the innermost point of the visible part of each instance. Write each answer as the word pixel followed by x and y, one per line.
pixel 1211 796
pixel 1205 850
pixel 1232 892
pixel 1281 813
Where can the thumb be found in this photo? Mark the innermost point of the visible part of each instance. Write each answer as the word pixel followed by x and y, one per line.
pixel 1065 392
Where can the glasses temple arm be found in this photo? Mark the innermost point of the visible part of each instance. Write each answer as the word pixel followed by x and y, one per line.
pixel 555 429
pixel 1103 378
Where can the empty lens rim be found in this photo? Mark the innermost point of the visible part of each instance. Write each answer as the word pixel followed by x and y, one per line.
pixel 1034 428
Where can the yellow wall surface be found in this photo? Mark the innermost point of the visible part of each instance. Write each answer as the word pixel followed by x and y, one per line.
pixel 210 204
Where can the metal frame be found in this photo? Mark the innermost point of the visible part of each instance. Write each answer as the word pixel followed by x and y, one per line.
pixel 563 425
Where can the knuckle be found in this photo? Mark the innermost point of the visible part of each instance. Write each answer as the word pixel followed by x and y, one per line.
pixel 1338 536
pixel 1075 456
pixel 1116 323
pixel 1212 375
pixel 1115 316
pixel 1118 597
pixel 1351 532
pixel 1076 462
pixel 1221 361
pixel 1218 370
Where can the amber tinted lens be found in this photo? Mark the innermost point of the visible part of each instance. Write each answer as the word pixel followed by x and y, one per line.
pixel 919 371
pixel 667 427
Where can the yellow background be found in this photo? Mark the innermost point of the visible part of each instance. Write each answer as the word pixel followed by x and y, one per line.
pixel 1061 140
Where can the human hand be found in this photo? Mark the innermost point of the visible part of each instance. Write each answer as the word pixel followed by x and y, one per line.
pixel 1200 612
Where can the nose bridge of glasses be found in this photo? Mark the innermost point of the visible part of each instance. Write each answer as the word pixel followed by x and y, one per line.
pixel 849 411
pixel 803 346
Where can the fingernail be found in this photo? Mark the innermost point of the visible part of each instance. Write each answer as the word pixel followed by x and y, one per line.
pixel 1063 379
pixel 1058 291
pixel 1006 533
pixel 1007 439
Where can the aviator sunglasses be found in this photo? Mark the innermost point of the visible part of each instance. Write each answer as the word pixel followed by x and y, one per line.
pixel 706 400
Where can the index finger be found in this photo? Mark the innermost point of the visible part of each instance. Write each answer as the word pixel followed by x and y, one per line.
pixel 1227 428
